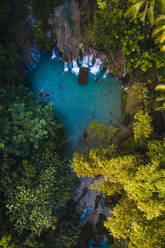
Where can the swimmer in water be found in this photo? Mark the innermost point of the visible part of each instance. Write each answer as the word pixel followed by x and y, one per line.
pixel 44 94
pixel 47 94
pixel 61 99
pixel 62 73
pixel 41 94
pixel 96 79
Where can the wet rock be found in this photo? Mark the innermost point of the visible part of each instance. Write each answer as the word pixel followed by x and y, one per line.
pixel 70 40
pixel 89 200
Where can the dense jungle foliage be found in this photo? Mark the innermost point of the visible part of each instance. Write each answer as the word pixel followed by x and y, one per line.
pixel 36 186
pixel 132 159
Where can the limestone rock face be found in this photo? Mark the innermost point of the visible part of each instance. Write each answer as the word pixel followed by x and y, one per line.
pixel 67 28
pixel 65 23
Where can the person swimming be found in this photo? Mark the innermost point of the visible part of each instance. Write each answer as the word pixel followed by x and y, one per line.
pixel 47 94
pixel 98 80
pixel 44 94
pixel 41 94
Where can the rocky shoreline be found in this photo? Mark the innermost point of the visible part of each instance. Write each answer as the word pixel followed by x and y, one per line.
pixel 67 36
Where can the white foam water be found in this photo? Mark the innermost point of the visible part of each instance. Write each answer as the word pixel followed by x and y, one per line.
pixel 53 54
pixel 96 67
pixel 75 68
pixel 66 66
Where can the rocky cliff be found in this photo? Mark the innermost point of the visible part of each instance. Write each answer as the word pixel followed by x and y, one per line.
pixel 68 27
pixel 69 23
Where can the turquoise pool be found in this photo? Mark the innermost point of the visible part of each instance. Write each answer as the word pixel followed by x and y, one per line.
pixel 76 105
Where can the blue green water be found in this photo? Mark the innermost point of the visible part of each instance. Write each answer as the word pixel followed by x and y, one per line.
pixel 76 105
pixel 103 244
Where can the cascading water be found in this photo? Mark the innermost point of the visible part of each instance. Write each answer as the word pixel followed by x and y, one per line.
pixel 66 66
pixel 85 61
pixel 106 74
pixel 35 57
pixel 86 213
pixel 31 60
pixel 32 64
pixel 75 68
pixel 90 59
pixel 53 54
pixel 97 66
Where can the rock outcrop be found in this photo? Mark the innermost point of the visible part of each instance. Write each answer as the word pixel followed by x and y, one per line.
pixel 67 28
pixel 68 25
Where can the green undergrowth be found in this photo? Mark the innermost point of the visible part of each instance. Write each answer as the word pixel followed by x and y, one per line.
pixel 42 8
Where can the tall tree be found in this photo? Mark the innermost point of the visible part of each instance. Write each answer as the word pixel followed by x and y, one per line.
pixel 160 100
pixel 138 177
pixel 159 32
pixel 145 9
pixel 34 178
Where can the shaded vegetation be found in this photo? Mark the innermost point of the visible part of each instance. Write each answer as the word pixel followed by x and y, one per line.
pixel 36 185
pixel 42 8
pixel 35 178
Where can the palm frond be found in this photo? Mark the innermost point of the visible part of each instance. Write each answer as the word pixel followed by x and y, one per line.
pixel 159 19
pixel 150 12
pixel 160 98
pixel 160 87
pixel 162 49
pixel 161 108
pixel 160 38
pixel 133 10
pixel 143 15
pixel 157 30
pixel 162 2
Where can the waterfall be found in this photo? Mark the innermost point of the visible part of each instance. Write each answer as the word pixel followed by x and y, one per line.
pixel 85 61
pixel 66 66
pixel 97 66
pixel 86 213
pixel 32 64
pixel 29 68
pixel 75 68
pixel 90 59
pixel 106 74
pixel 53 54
pixel 36 57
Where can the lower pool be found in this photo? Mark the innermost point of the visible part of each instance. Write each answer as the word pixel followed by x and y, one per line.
pixel 76 105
